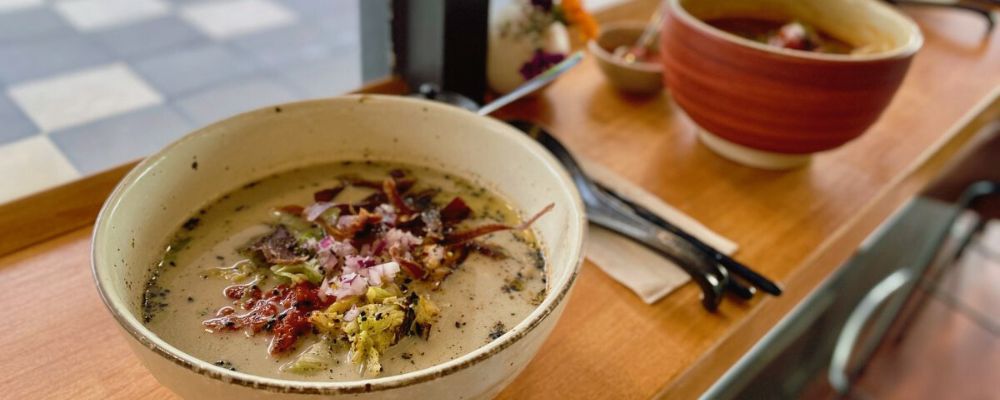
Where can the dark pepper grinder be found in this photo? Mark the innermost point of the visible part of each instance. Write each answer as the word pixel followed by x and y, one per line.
pixel 442 42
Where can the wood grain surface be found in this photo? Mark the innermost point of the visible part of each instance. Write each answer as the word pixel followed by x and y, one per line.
pixel 795 227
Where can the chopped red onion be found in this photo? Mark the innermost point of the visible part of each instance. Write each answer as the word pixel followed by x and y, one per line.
pixel 316 209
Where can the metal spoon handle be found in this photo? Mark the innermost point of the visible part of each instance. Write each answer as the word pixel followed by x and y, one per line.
pixel 651 30
pixel 533 84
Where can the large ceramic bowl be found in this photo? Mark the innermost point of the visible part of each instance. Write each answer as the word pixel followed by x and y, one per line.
pixel 156 197
pixel 772 107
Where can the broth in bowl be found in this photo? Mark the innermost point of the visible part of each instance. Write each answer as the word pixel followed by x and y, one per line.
pixel 794 35
pixel 296 140
pixel 344 271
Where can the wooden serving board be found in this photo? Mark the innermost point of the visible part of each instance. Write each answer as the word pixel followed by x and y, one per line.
pixel 796 227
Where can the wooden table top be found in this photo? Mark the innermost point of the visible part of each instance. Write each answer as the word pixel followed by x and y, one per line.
pixel 795 227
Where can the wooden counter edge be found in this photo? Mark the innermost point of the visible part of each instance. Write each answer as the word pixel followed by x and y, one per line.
pixel 833 252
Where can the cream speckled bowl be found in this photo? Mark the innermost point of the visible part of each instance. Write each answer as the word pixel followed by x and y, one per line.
pixel 165 189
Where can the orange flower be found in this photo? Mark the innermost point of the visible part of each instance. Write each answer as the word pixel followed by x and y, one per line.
pixel 576 15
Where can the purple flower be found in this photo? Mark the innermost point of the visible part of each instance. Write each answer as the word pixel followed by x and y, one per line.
pixel 543 4
pixel 539 63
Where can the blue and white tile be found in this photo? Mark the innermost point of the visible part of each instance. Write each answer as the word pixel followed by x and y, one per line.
pixel 31 165
pixel 330 76
pixel 14 5
pixel 331 11
pixel 29 23
pixel 189 69
pixel 93 15
pixel 230 18
pixel 48 55
pixel 149 37
pixel 232 98
pixel 113 141
pixel 83 96
pixel 14 125
pixel 295 44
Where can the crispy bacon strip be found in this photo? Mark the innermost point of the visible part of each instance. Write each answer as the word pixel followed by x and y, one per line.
pixel 254 320
pixel 287 330
pixel 465 236
pixel 292 209
pixel 327 195
pixel 390 189
pixel 415 270
pixel 456 211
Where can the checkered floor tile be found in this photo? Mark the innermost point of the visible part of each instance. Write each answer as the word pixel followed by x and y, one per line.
pixel 92 15
pixel 31 165
pixel 8 5
pixel 86 85
pixel 83 96
pixel 229 18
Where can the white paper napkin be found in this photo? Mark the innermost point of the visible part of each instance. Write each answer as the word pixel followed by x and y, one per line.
pixel 648 274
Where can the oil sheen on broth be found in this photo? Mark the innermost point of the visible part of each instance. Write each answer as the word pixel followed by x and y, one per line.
pixel 494 288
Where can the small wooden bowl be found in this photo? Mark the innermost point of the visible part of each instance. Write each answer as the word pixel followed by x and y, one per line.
pixel 642 78
pixel 771 107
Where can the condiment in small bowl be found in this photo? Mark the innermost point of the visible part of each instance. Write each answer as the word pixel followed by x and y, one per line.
pixel 642 75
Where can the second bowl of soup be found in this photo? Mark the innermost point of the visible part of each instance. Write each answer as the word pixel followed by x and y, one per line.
pixel 771 82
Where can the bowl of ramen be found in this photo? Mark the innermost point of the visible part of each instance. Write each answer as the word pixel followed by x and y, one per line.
pixel 361 246
pixel 771 82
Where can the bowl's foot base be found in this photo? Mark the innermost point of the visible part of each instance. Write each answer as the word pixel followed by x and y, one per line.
pixel 752 157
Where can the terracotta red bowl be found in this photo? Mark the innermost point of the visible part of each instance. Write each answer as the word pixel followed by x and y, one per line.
pixel 758 103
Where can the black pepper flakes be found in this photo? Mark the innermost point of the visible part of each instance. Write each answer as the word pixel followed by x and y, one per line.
pixel 191 223
pixel 225 364
pixel 499 329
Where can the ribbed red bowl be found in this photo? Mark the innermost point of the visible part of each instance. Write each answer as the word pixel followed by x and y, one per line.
pixel 778 100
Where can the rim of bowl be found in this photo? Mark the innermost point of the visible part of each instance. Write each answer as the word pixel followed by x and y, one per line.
pixel 138 331
pixel 915 42
pixel 597 50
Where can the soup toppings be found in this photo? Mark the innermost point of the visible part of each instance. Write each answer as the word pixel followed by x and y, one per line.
pixel 795 35
pixel 356 274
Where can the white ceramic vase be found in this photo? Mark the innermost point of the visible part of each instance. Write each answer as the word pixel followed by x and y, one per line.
pixel 517 31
